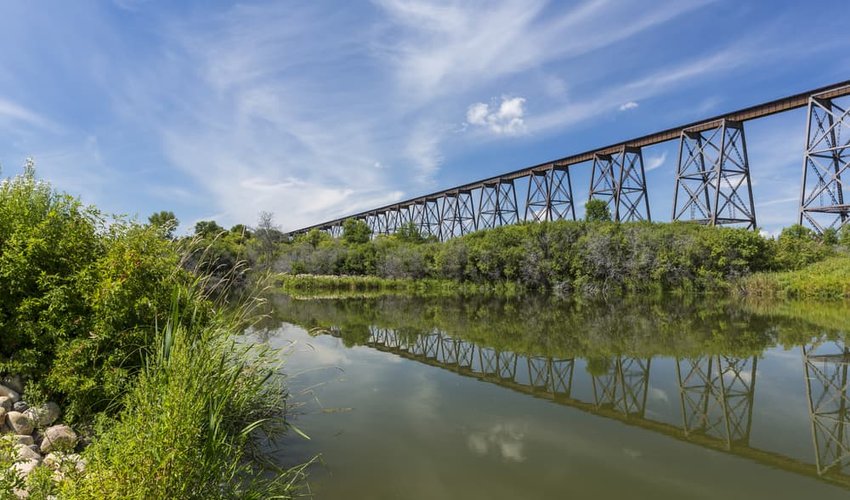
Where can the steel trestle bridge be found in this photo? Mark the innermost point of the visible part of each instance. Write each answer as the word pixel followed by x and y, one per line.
pixel 713 184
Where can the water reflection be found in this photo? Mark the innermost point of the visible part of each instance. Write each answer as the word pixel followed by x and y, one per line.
pixel 601 359
pixel 825 368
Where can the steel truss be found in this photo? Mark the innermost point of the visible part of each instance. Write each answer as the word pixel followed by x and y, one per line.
pixel 712 173
pixel 458 215
pixel 620 180
pixel 624 387
pixel 431 225
pixel 550 195
pixel 716 394
pixel 827 390
pixel 497 205
pixel 822 202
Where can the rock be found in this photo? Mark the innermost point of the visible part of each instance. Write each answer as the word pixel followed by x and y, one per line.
pixel 9 393
pixel 59 460
pixel 24 452
pixel 21 406
pixel 58 437
pixel 2 419
pixel 20 423
pixel 24 440
pixel 14 382
pixel 25 468
pixel 6 403
pixel 45 414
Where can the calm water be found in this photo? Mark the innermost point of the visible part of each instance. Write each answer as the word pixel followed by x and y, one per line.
pixel 408 398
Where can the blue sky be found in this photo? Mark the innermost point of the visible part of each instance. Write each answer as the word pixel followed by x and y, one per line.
pixel 312 110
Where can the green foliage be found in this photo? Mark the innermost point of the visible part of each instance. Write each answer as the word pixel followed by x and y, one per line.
pixel 80 296
pixel 826 280
pixel 570 257
pixel 829 236
pixel 207 229
pixel 356 231
pixel 597 210
pixel 797 247
pixel 409 233
pixel 844 236
pixel 191 421
pixel 166 221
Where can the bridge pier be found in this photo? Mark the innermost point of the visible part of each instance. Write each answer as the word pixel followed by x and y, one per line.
pixel 620 180
pixel 550 195
pixel 458 215
pixel 713 172
pixel 822 202
pixel 497 205
pixel 624 386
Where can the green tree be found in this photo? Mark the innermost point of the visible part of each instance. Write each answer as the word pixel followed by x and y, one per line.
pixel 166 221
pixel 844 236
pixel 207 229
pixel 355 231
pixel 829 236
pixel 597 211
pixel 409 233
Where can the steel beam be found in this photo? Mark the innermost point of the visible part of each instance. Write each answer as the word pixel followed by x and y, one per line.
pixel 497 205
pixel 713 177
pixel 827 158
pixel 550 195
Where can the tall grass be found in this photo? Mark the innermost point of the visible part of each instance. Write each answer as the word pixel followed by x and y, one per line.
pixel 826 280
pixel 190 424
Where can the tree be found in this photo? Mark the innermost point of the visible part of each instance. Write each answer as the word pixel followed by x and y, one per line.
pixel 844 235
pixel 597 211
pixel 409 233
pixel 207 229
pixel 166 221
pixel 355 231
pixel 268 235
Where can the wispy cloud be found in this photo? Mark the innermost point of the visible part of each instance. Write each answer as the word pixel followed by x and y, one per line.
pixel 628 105
pixel 653 162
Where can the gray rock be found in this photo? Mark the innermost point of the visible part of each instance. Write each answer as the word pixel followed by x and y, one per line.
pixel 58 438
pixel 25 468
pixel 24 440
pixel 45 414
pixel 20 422
pixel 6 403
pixel 14 382
pixel 21 406
pixel 9 393
pixel 24 452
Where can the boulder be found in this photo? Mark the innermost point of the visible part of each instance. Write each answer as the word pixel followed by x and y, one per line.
pixel 6 403
pixel 25 468
pixel 24 452
pixel 21 406
pixel 2 419
pixel 14 382
pixel 45 415
pixel 20 422
pixel 24 440
pixel 58 438
pixel 9 393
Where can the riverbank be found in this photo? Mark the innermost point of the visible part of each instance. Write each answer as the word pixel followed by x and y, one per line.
pixel 108 320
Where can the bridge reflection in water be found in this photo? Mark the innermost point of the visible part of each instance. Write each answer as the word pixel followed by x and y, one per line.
pixel 716 392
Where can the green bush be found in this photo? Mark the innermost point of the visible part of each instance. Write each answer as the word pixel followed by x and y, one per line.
pixel 81 296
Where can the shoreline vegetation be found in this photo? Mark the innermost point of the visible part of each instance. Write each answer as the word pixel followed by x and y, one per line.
pixel 134 338
pixel 596 258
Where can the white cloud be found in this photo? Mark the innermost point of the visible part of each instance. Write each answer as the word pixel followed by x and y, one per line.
pixel 653 162
pixel 506 118
pixel 629 105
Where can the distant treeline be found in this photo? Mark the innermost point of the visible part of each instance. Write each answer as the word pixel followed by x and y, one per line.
pixel 585 257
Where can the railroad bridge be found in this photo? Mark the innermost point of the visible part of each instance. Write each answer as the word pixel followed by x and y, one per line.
pixel 713 184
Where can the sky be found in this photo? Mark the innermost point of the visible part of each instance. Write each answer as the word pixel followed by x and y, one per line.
pixel 313 110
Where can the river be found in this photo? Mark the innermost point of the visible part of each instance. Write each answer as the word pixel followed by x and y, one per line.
pixel 501 399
